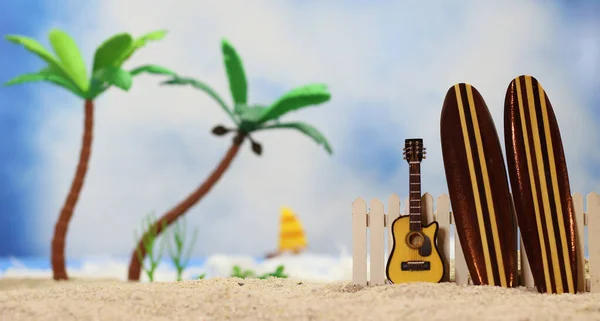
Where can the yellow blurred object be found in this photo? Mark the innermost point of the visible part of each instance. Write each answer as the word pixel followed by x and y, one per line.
pixel 291 235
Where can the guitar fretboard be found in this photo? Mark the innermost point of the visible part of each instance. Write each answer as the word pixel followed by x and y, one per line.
pixel 414 198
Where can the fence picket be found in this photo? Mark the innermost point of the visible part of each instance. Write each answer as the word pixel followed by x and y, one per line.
pixel 359 242
pixel 392 213
pixel 376 251
pixel 443 218
pixel 526 275
pixel 427 213
pixel 593 218
pixel 580 241
pixel 461 272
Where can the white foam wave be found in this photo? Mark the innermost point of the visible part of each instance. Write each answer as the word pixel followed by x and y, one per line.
pixel 305 267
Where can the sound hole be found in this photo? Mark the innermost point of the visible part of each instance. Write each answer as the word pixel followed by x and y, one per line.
pixel 415 240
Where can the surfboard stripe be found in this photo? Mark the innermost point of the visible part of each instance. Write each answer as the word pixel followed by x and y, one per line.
pixel 472 174
pixel 555 195
pixel 469 120
pixel 488 193
pixel 542 180
pixel 543 187
pixel 535 169
pixel 528 156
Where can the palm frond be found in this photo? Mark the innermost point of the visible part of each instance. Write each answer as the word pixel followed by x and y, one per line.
pixel 111 50
pixel 306 129
pixel 205 88
pixel 295 99
pixel 50 76
pixel 152 69
pixel 235 73
pixel 70 58
pixel 141 42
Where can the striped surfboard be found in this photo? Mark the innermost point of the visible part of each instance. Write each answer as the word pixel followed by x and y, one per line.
pixel 540 184
pixel 478 188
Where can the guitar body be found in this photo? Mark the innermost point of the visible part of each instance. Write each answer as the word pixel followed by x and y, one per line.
pixel 540 184
pixel 478 188
pixel 405 263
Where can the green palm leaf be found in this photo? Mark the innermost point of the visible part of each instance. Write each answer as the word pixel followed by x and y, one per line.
pixel 251 114
pixel 68 53
pixel 48 75
pixel 235 73
pixel 109 52
pixel 141 42
pixel 37 49
pixel 115 76
pixel 298 98
pixel 152 69
pixel 307 129
pixel 203 87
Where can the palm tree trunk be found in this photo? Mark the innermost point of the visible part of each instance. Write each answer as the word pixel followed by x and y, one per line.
pixel 135 265
pixel 62 224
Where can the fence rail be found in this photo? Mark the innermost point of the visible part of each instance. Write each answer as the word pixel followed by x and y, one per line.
pixel 368 267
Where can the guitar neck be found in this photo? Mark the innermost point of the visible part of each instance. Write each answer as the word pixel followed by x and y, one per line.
pixel 414 198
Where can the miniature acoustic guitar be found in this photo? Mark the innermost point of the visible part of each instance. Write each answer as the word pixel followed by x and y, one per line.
pixel 414 256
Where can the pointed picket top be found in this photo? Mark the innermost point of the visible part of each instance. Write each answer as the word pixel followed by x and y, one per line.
pixel 394 204
pixel 393 211
pixel 427 211
pixel 359 201
pixel 591 195
pixel 394 198
pixel 376 243
pixel 375 202
pixel 443 197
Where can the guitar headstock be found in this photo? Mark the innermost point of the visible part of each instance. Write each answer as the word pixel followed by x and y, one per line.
pixel 413 150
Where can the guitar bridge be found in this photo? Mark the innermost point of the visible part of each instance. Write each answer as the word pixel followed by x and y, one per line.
pixel 415 266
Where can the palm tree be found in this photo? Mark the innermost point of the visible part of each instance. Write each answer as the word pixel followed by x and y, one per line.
pixel 67 70
pixel 247 119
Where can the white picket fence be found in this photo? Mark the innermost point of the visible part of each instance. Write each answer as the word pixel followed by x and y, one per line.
pixel 377 222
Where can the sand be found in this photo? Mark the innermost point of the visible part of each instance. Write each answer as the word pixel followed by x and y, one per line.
pixel 281 299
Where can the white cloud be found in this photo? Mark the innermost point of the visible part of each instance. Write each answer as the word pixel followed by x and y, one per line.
pixel 152 145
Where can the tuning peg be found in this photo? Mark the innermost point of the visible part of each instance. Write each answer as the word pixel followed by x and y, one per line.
pixel 424 157
pixel 424 152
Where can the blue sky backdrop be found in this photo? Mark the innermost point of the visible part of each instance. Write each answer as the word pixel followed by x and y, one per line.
pixel 388 65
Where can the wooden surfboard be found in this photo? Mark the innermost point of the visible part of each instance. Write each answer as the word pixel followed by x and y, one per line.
pixel 478 188
pixel 540 185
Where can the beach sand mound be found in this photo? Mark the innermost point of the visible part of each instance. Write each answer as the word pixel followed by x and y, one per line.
pixel 281 299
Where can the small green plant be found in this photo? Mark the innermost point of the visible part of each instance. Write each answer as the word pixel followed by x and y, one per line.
pixel 201 276
pixel 149 246
pixel 246 274
pixel 178 232
pixel 243 274
pixel 278 273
